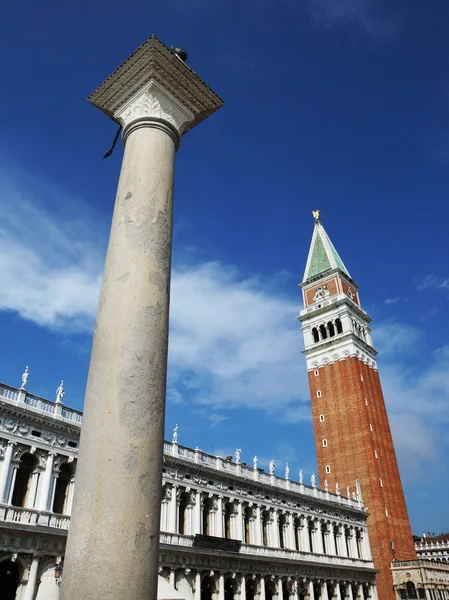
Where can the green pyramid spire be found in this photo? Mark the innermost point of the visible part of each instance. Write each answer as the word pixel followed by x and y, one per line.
pixel 322 254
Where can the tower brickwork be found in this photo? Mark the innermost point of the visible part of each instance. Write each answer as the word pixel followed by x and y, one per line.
pixel 352 432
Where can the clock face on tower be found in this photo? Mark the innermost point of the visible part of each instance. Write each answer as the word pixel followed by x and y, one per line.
pixel 351 294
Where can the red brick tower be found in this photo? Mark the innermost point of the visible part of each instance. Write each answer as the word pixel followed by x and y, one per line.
pixel 352 432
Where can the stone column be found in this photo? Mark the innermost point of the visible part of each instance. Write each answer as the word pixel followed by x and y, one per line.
pixel 366 548
pixel 156 98
pixel 291 532
pixel 316 536
pixel 197 586
pixel 43 498
pixel 219 518
pixel 280 590
pixel 5 471
pixel 304 535
pixel 258 538
pixel 373 591
pixel 262 588
pixel 197 509
pixel 325 592
pixel 30 589
pixel 13 482
pixel 311 591
pixel 221 590
pixel 173 510
pixel 274 530
pixel 332 541
pixel 239 522
pixel 337 590
pixel 243 588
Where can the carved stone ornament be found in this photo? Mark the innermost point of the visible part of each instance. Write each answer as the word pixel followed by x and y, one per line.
pixel 154 102
pixel 176 93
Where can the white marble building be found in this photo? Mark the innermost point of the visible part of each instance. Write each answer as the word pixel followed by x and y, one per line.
pixel 229 531
pixel 433 547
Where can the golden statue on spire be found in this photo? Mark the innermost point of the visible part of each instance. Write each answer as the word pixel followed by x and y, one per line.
pixel 316 214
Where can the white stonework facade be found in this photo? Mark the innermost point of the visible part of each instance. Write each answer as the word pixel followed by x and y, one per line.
pixel 433 547
pixel 228 531
pixel 335 328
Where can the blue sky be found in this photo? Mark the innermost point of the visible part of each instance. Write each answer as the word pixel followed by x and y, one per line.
pixel 341 105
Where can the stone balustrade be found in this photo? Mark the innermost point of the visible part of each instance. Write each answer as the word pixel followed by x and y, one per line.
pixel 30 516
pixel 252 474
pixel 40 405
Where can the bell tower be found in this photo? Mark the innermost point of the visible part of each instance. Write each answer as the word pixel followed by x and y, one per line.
pixel 352 433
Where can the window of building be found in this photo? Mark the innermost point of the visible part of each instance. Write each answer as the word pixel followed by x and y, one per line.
pixel 316 335
pixel 370 427
pixel 375 454
pixel 316 372
pixel 321 418
pixel 386 512
pixel 381 483
pixel 338 326
pixel 328 468
pixel 325 443
pixel 361 377
pixel 318 394
pixel 366 402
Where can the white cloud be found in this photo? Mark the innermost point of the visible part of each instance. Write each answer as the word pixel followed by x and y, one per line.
pixel 434 282
pixel 372 16
pixel 392 300
pixel 50 267
pixel 234 343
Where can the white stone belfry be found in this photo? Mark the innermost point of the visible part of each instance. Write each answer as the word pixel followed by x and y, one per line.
pixel 112 548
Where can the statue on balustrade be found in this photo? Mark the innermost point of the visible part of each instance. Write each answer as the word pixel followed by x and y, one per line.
pixel 60 392
pixel 25 376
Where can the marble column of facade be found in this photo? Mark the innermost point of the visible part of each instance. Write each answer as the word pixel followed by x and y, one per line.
pixel 304 535
pixel 172 578
pixel 332 541
pixel 353 542
pixel 349 593
pixel 239 522
pixel 317 539
pixel 219 518
pixel 373 592
pixel 243 587
pixel 312 591
pixel 280 593
pixel 197 586
pixel 5 472
pixel 262 588
pixel 30 588
pixel 291 531
pixel 274 529
pixel 156 98
pixel 197 513
pixel 366 548
pixel 257 528
pixel 325 592
pixel 45 484
pixel 221 586
pixel 15 466
pixel 173 510
pixel 337 591
pixel 31 497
